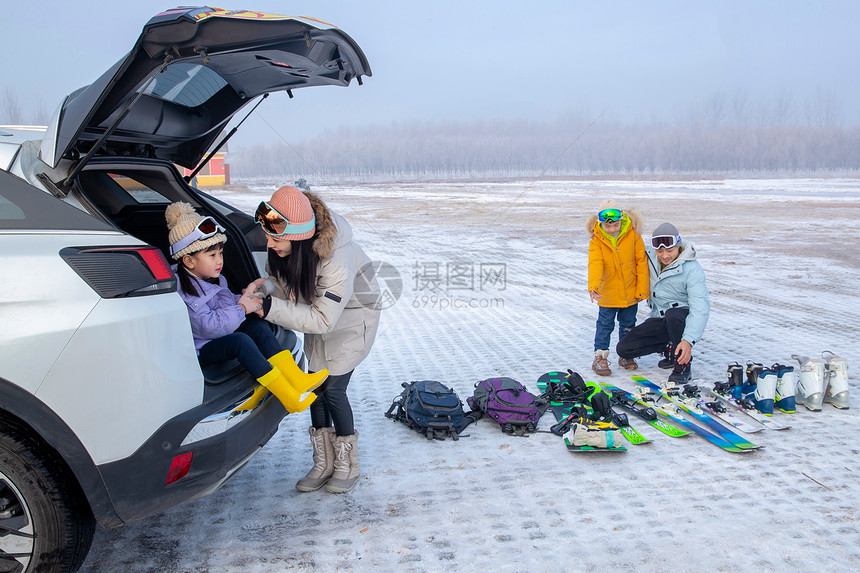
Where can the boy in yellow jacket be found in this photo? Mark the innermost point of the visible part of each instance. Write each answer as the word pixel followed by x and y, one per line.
pixel 617 277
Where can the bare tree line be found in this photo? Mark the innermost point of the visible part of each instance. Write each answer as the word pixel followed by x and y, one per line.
pixel 507 149
pixel 728 133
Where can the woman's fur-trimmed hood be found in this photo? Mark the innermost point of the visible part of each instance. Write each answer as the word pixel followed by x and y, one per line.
pixel 331 231
pixel 632 215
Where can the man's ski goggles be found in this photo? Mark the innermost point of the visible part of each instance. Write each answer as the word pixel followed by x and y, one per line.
pixel 207 227
pixel 275 224
pixel 665 241
pixel 610 215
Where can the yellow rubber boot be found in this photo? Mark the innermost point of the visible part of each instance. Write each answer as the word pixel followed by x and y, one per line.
pixel 301 381
pixel 277 384
pixel 255 398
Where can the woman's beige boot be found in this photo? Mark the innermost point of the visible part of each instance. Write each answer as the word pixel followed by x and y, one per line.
pixel 321 440
pixel 346 466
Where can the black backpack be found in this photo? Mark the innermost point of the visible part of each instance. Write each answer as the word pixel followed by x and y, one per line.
pixel 430 408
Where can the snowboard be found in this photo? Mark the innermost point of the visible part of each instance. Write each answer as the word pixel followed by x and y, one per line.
pixel 563 410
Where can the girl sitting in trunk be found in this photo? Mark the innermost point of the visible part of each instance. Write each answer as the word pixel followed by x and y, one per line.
pixel 219 321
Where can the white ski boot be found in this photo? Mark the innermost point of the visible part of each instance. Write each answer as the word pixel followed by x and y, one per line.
pixel 765 391
pixel 836 372
pixel 810 382
pixel 786 386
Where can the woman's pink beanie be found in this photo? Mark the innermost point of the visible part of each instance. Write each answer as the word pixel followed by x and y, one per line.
pixel 293 205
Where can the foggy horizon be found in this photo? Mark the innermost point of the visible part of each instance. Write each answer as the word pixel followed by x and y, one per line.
pixel 634 63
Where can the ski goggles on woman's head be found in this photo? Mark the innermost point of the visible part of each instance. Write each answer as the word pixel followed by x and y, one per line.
pixel 665 241
pixel 206 228
pixel 610 215
pixel 277 225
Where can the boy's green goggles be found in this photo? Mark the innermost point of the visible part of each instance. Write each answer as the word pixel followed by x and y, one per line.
pixel 610 215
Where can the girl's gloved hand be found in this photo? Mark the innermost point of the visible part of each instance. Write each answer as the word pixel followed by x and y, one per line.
pixel 261 288
pixel 249 303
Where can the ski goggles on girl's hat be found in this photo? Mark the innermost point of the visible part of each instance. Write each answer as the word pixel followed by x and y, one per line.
pixel 277 225
pixel 206 228
pixel 665 241
pixel 609 215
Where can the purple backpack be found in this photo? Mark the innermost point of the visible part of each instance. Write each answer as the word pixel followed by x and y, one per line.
pixel 509 403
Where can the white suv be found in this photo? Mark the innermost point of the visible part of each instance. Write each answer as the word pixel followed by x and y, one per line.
pixel 105 414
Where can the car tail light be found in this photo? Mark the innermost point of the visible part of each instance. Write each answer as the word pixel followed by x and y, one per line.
pixel 179 467
pixel 117 272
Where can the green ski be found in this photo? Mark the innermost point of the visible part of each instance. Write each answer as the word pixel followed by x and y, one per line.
pixel 643 411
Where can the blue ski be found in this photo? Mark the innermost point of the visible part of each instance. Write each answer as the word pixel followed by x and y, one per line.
pixel 711 437
pixel 693 410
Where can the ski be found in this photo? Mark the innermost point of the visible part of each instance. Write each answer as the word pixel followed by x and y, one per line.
pixel 633 436
pixel 740 406
pixel 669 412
pixel 690 407
pixel 623 399
pixel 565 412
pixel 717 409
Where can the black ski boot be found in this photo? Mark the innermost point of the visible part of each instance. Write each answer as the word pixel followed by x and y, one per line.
pixel 735 375
pixel 752 371
pixel 668 360
pixel 681 373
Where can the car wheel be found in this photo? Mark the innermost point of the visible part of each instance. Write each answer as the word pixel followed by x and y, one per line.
pixel 45 524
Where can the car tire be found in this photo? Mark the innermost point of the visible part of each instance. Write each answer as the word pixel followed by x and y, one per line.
pixel 45 522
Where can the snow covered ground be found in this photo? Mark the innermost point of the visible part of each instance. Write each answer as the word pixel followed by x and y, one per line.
pixel 493 284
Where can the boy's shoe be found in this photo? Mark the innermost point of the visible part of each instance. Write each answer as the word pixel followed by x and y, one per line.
pixel 681 373
pixel 628 363
pixel 668 360
pixel 601 363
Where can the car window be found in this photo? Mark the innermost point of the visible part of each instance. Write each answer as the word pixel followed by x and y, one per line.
pixel 9 210
pixel 148 196
pixel 139 191
pixel 23 206
pixel 186 84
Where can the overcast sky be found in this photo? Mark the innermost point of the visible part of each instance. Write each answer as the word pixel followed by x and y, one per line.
pixel 460 60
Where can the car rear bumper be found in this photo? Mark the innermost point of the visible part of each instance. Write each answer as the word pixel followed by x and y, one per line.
pixel 137 484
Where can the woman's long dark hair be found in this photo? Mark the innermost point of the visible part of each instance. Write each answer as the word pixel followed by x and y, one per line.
pixel 298 270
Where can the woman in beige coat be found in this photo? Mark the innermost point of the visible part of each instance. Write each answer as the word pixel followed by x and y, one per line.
pixel 325 287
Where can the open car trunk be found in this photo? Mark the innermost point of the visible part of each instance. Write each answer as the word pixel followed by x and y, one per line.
pixel 133 196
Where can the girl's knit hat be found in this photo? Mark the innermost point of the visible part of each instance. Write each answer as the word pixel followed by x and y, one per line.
pixel 182 220
pixel 296 208
pixel 608 204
